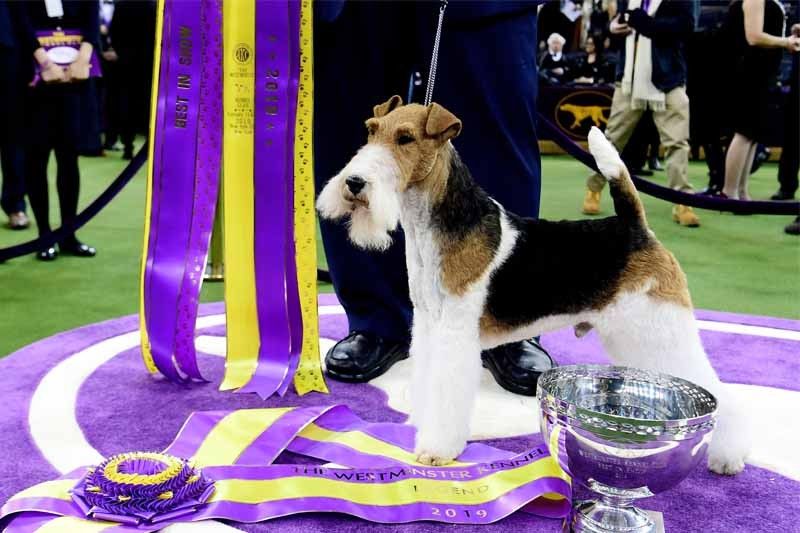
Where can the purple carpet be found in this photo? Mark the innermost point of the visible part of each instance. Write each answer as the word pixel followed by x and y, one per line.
pixel 116 407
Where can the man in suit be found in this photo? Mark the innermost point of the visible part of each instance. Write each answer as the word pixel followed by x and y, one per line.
pixel 655 35
pixel 14 74
pixel 364 53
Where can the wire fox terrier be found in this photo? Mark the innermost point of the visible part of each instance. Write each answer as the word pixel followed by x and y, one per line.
pixel 480 276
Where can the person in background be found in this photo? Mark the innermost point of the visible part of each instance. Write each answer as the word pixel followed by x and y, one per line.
pixel 111 85
pixel 591 68
pixel 15 72
pixel 561 17
pixel 755 32
pixel 554 66
pixel 704 54
pixel 133 32
pixel 498 145
pixel 55 119
pixel 651 74
pixel 641 153
pixel 789 165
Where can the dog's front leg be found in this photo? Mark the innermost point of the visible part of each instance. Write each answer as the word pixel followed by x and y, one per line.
pixel 450 381
pixel 420 359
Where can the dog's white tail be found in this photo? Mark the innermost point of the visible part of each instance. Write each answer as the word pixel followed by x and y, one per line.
pixel 626 200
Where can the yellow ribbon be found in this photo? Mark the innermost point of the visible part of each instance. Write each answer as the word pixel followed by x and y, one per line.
pixel 238 36
pixel 308 377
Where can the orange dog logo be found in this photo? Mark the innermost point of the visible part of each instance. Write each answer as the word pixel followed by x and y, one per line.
pixel 582 112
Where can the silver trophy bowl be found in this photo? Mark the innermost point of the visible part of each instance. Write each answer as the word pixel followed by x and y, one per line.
pixel 623 434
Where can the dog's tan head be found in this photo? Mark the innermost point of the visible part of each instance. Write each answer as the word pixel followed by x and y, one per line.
pixel 407 146
pixel 416 135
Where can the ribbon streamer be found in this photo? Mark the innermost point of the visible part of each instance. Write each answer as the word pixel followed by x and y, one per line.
pixel 183 173
pixel 382 483
pixel 308 377
pixel 255 67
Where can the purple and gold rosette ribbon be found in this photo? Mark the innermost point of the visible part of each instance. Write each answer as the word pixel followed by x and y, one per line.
pixel 234 96
pixel 141 487
pixel 380 481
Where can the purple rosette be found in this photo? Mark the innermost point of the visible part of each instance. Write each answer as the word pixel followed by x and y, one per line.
pixel 142 487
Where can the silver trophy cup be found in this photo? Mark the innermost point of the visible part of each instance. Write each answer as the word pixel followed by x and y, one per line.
pixel 623 434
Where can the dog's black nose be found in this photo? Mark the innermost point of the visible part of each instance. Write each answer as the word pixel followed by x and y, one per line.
pixel 355 183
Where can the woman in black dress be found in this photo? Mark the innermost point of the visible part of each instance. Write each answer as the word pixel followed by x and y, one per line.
pixel 55 120
pixel 592 68
pixel 755 35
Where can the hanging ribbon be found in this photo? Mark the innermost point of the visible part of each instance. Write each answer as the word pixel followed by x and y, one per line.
pixel 256 69
pixel 182 184
pixel 271 304
pixel 236 449
pixel 271 179
pixel 308 377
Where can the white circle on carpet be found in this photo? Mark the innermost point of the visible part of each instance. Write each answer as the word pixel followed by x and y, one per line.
pixel 56 432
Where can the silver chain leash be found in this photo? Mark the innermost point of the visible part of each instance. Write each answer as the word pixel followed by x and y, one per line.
pixel 435 55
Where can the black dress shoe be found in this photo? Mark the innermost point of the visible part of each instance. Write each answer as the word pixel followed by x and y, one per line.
pixel 782 196
pixel 48 254
pixel 78 249
pixel 517 366
pixel 362 356
pixel 793 228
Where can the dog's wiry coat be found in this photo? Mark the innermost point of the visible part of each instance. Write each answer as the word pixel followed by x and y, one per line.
pixel 480 276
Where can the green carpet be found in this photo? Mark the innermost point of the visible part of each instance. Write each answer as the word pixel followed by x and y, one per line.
pixel 734 263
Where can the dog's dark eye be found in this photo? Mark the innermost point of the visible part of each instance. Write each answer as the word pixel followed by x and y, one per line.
pixel 405 139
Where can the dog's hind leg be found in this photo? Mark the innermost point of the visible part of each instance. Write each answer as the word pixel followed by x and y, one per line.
pixel 451 378
pixel 647 332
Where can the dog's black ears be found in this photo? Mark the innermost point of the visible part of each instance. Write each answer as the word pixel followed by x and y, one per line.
pixel 388 106
pixel 442 123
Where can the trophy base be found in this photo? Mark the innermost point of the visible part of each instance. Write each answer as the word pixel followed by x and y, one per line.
pixel 591 516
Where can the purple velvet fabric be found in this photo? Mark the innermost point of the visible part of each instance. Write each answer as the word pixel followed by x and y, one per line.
pixel 121 391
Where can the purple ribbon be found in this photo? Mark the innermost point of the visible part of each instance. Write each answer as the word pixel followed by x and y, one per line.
pixel 164 363
pixel 292 290
pixel 206 185
pixel 185 175
pixel 254 464
pixel 272 168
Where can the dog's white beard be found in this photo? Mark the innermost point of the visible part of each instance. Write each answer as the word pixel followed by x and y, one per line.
pixel 330 203
pixel 368 227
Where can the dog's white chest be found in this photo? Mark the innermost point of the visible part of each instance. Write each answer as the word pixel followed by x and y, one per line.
pixel 423 259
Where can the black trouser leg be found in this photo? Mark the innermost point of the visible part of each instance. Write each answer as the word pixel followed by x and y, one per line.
pixel 715 160
pixel 36 173
pixel 790 156
pixel 68 184
pixel 12 159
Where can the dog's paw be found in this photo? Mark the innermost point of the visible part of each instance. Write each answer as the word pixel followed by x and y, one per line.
pixel 608 160
pixel 432 460
pixel 725 466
